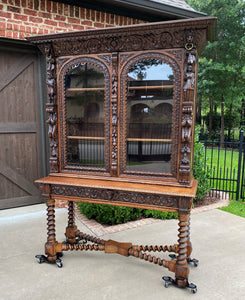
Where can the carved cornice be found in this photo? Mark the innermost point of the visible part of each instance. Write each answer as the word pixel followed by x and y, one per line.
pixel 162 35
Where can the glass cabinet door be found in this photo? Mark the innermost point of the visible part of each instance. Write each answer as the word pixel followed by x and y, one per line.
pixel 85 116
pixel 149 116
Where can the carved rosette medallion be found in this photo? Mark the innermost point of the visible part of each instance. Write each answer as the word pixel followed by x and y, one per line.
pixel 115 196
pixel 51 108
pixel 187 110
pixel 114 114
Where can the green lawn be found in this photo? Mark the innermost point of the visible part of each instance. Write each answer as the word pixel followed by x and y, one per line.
pixel 236 208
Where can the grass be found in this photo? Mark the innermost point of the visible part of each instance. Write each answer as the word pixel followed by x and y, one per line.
pixel 235 208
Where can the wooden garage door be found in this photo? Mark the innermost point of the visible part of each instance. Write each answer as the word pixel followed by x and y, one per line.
pixel 20 132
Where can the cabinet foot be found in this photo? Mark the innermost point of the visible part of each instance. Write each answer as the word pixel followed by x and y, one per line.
pixel 169 280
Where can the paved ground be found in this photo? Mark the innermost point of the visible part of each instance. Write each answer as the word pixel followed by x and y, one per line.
pixel 218 242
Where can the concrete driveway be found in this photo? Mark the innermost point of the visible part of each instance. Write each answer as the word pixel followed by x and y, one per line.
pixel 218 240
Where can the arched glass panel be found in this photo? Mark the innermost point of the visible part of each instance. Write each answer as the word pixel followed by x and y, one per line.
pixel 149 116
pixel 85 116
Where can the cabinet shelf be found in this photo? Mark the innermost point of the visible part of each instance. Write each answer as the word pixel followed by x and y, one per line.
pixel 150 87
pixel 85 137
pixel 85 89
pixel 128 139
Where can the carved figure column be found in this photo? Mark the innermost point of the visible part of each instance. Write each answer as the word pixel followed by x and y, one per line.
pixel 114 113
pixel 187 111
pixel 51 108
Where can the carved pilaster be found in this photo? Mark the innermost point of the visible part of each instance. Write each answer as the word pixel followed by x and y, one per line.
pixel 187 111
pixel 51 108
pixel 114 114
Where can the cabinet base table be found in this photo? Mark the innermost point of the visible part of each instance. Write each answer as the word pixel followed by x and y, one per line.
pixel 178 199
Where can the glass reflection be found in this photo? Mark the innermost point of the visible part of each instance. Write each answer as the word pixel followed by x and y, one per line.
pixel 85 116
pixel 149 116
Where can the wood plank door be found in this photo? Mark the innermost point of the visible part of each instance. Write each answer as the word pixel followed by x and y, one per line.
pixel 20 130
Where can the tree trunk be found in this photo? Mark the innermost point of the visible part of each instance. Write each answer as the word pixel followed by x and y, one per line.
pixel 199 110
pixel 210 123
pixel 222 125
pixel 230 125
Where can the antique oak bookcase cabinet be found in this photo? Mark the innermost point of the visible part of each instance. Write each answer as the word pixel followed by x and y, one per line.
pixel 121 111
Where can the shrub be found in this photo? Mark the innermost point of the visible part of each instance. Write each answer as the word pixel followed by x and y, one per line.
pixel 111 214
pixel 200 169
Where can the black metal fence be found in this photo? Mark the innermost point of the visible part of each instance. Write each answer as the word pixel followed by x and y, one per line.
pixel 225 165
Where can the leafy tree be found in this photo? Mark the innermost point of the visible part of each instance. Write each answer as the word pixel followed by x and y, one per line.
pixel 222 64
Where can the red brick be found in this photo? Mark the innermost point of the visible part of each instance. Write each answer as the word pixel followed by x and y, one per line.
pixel 35 20
pixel 16 27
pixel 5 14
pixel 43 6
pixel 22 28
pixel 30 4
pixel 73 20
pixel 49 22
pixel 60 8
pixel 13 9
pixel 59 18
pixel 40 31
pixel 78 27
pixel 36 4
pixel 112 19
pixel 30 12
pixel 107 18
pixel 23 3
pixel 3 33
pixel 82 12
pixel 5 1
pixel 102 17
pixel 1 7
pixel 87 23
pixel 28 29
pixel 87 14
pixel 15 35
pixel 9 26
pixel 17 2
pixel 54 7
pixel 63 24
pixel 66 10
pixel 9 34
pixel 77 10
pixel 116 20
pixel 72 13
pixel 44 15
pixel 11 2
pixel 98 25
pixel 3 25
pixel 48 6
pixel 98 16
pixel 34 29
pixel 92 15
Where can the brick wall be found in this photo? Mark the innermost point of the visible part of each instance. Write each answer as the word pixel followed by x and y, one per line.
pixel 20 18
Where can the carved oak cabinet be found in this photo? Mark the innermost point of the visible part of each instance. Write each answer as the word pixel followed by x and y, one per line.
pixel 121 111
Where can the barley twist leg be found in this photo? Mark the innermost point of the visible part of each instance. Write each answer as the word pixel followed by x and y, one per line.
pixel 71 228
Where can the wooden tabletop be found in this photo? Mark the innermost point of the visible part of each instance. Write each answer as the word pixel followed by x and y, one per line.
pixel 122 185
